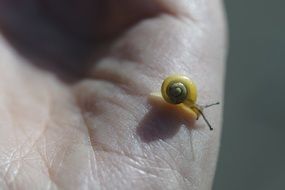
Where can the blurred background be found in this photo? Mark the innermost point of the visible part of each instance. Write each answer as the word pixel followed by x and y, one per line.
pixel 252 154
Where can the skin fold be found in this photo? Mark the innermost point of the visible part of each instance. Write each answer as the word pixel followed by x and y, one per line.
pixel 82 120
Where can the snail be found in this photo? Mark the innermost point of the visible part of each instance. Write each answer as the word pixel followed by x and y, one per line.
pixel 181 91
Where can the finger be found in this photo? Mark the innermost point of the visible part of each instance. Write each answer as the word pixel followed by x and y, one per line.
pixel 62 35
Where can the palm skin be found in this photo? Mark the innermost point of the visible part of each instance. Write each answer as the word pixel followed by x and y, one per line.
pixel 100 131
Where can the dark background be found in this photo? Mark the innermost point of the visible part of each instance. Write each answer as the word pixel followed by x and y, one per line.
pixel 252 154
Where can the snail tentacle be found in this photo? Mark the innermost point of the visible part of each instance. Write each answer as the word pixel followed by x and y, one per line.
pixel 178 89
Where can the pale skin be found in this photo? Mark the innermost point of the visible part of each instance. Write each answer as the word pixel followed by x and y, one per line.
pixel 101 132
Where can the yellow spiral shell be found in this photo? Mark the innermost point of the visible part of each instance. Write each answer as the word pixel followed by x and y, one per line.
pixel 178 89
pixel 182 92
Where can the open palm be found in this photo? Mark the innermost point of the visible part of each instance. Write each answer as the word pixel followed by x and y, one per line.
pixel 74 112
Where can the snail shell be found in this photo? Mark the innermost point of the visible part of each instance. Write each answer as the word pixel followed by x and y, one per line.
pixel 178 89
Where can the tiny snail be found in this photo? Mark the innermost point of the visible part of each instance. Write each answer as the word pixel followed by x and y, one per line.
pixel 181 91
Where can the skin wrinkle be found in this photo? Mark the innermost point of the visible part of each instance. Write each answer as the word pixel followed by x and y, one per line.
pixel 34 143
pixel 86 123
pixel 182 146
pixel 23 144
pixel 95 168
pixel 132 157
pixel 108 72
pixel 174 161
pixel 180 172
pixel 192 147
pixel 65 152
pixel 48 166
pixel 20 160
pixel 142 166
pixel 178 154
pixel 170 168
pixel 8 167
pixel 53 178
pixel 147 170
pixel 12 159
pixel 45 156
pixel 93 158
pixel 171 147
pixel 148 174
pixel 121 106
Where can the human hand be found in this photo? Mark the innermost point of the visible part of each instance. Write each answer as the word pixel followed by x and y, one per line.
pixel 99 131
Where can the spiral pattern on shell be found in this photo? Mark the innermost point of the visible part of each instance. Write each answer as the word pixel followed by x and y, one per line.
pixel 177 89
pixel 177 92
